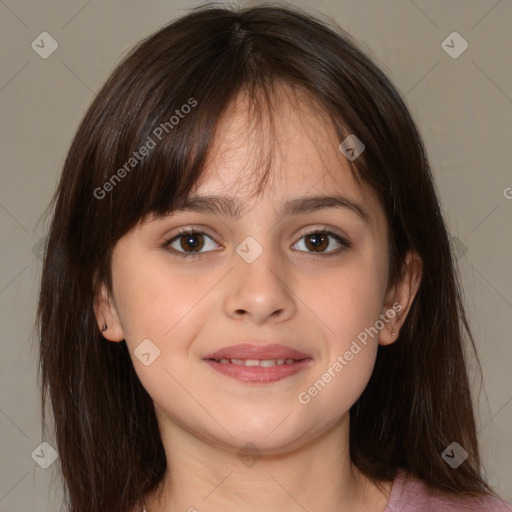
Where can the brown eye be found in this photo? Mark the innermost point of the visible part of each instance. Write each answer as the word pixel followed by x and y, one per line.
pixel 319 241
pixel 191 243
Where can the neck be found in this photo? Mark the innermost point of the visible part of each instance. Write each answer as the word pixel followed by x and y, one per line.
pixel 317 475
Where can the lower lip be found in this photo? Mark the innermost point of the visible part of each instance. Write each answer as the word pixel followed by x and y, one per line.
pixel 259 374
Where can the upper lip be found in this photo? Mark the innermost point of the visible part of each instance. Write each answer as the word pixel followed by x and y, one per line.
pixel 252 351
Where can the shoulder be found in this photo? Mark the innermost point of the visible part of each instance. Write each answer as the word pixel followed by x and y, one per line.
pixel 411 494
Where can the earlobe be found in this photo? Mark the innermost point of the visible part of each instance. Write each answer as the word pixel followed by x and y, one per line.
pixel 106 316
pixel 400 297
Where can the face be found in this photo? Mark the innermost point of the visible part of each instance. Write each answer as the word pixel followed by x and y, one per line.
pixel 311 279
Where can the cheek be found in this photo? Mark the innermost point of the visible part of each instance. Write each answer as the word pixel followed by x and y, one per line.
pixel 349 315
pixel 164 305
pixel 347 302
pixel 154 297
pixel 349 298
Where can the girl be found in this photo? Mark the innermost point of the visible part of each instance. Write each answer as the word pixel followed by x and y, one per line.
pixel 249 300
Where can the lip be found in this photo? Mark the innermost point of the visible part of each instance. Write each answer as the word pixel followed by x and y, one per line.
pixel 258 374
pixel 252 351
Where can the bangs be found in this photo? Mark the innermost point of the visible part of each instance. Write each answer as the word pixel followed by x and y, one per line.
pixel 179 161
pixel 172 147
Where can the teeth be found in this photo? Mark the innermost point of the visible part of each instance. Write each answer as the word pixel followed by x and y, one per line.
pixel 257 362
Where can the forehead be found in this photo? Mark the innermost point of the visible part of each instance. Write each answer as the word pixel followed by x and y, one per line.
pixel 292 140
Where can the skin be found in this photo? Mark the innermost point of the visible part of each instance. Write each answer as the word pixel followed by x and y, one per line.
pixel 290 294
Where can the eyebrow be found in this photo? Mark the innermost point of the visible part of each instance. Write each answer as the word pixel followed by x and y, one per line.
pixel 229 206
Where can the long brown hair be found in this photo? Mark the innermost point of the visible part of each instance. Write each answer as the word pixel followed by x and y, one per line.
pixel 418 399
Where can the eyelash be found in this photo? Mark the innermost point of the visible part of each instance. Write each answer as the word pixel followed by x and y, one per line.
pixel 345 244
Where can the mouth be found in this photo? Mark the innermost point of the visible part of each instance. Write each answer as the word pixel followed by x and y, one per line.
pixel 258 363
pixel 259 371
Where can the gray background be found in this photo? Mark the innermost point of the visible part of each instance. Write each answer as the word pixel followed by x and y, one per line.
pixel 463 107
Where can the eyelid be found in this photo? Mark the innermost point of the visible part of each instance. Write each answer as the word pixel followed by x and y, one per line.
pixel 323 229
pixel 184 230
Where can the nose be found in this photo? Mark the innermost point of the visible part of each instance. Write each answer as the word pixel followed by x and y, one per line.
pixel 260 291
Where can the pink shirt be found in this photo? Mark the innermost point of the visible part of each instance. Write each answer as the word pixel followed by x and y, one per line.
pixel 415 495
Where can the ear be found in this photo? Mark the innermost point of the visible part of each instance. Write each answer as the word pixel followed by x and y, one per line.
pixel 106 314
pixel 399 298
